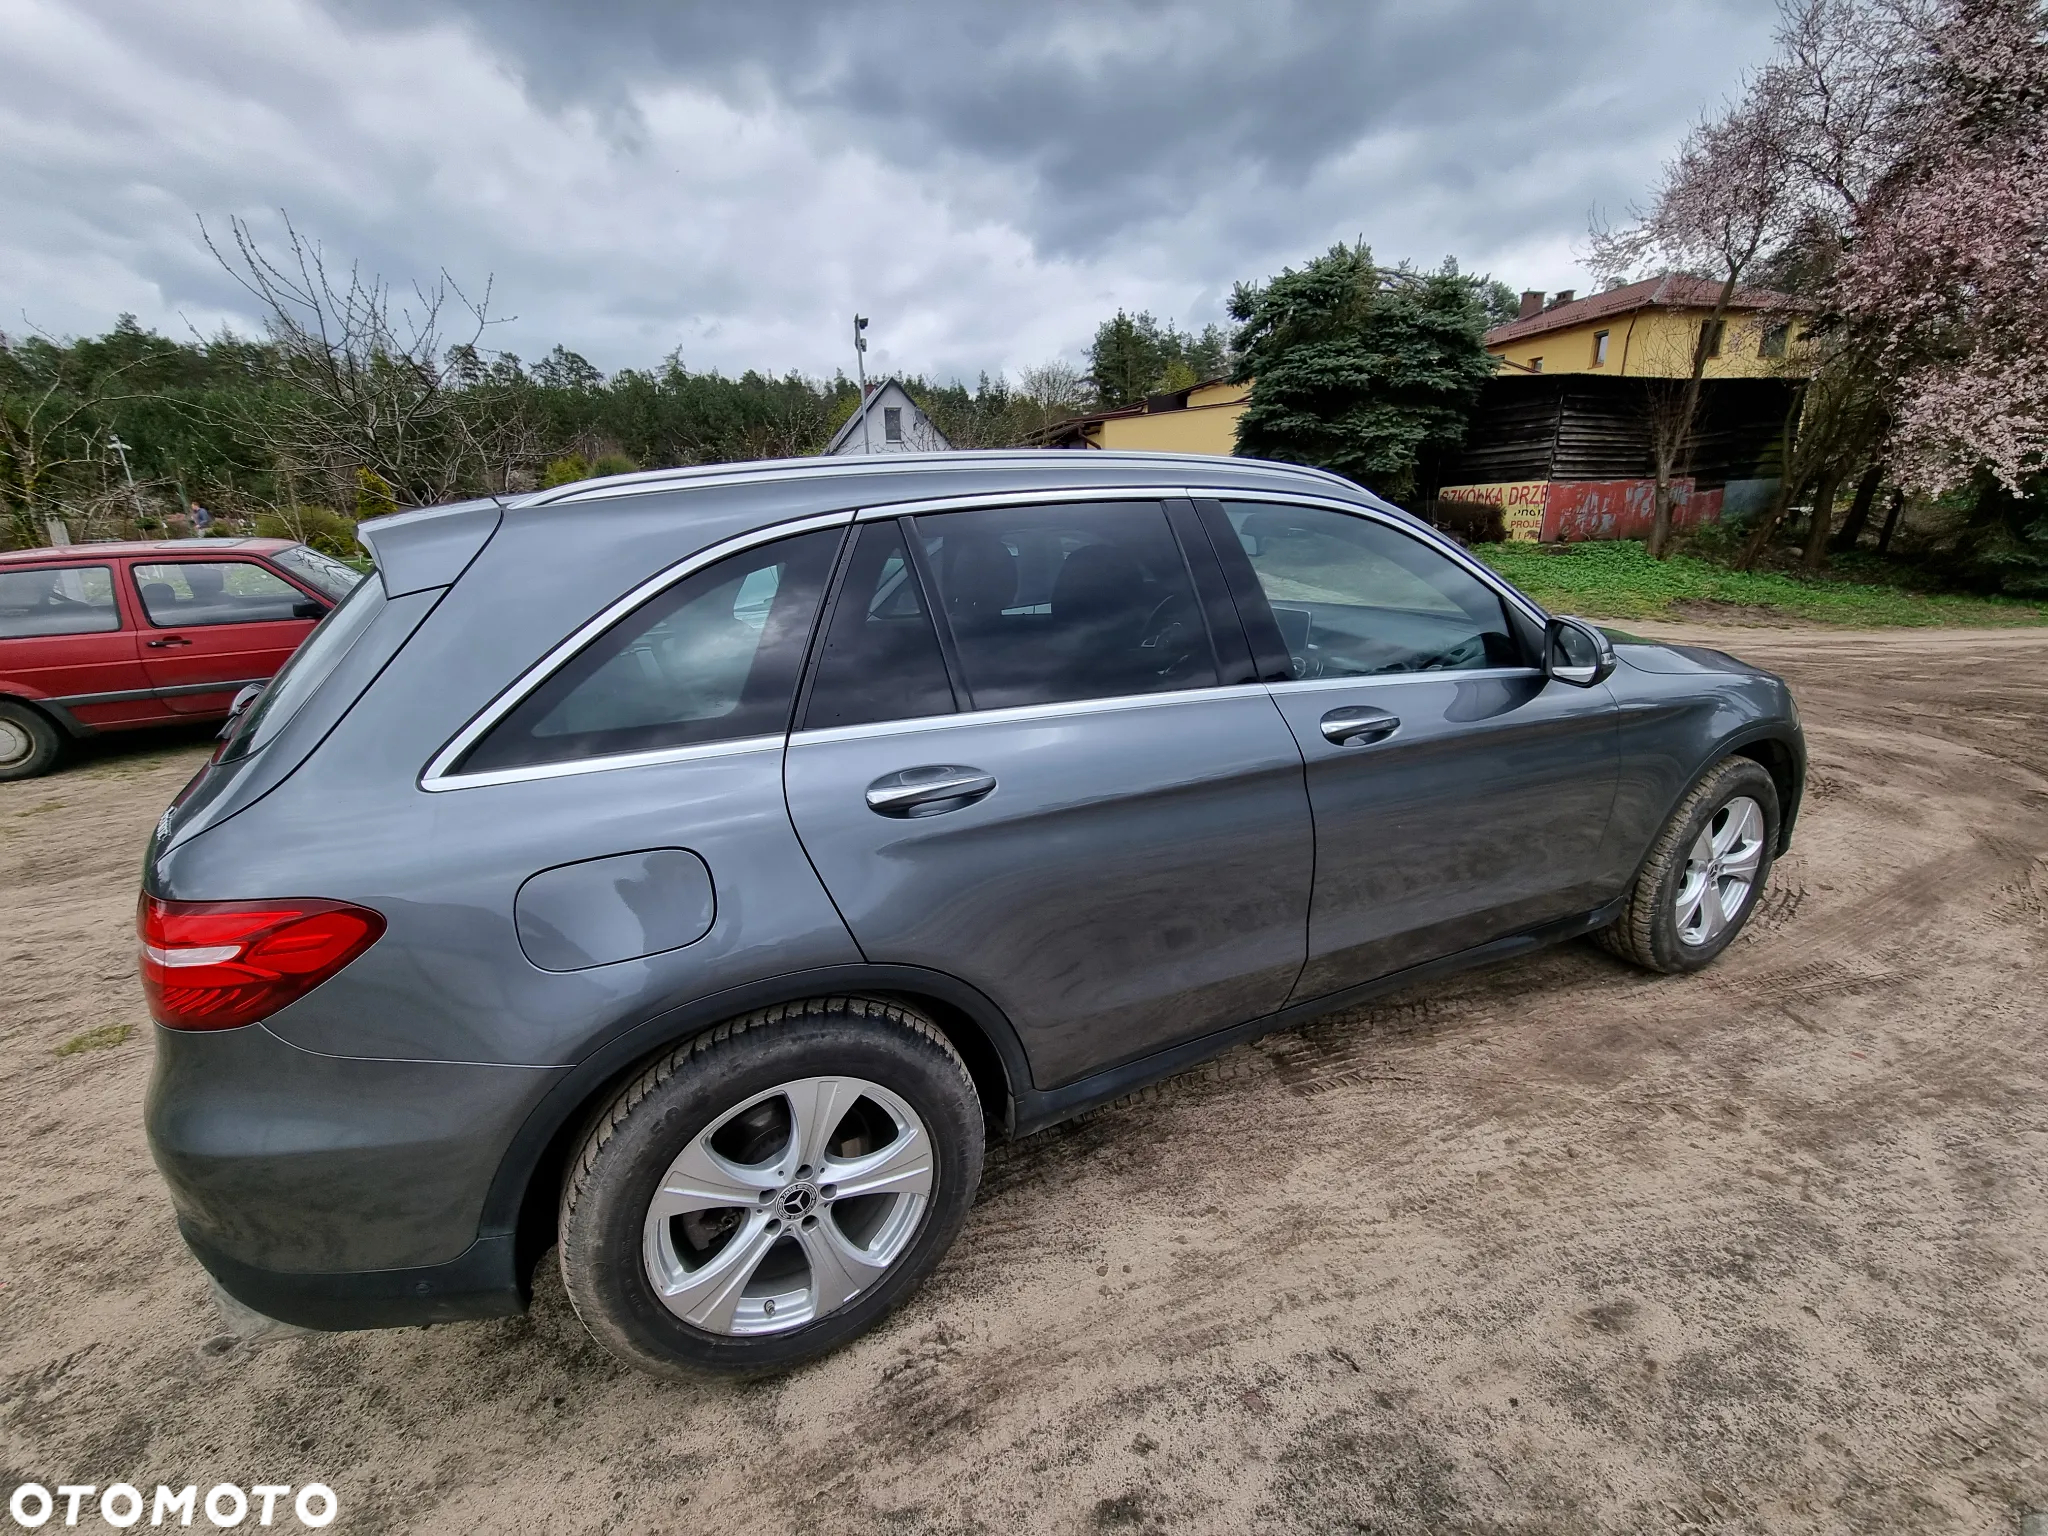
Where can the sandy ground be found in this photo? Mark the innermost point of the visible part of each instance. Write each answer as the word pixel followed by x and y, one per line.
pixel 1554 1247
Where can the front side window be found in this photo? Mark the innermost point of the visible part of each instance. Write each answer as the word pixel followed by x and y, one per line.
pixel 190 593
pixel 59 600
pixel 1356 598
pixel 712 658
pixel 1081 601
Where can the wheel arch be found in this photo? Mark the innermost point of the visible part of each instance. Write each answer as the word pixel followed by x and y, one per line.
pixel 1784 759
pixel 68 725
pixel 526 1190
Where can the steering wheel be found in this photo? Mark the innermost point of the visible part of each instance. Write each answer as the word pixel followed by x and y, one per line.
pixel 1169 634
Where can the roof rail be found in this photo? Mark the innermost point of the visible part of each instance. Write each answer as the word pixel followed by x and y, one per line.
pixel 870 464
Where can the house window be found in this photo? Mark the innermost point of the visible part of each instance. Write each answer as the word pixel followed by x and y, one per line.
pixel 1599 349
pixel 1774 339
pixel 1715 329
pixel 1535 365
pixel 892 423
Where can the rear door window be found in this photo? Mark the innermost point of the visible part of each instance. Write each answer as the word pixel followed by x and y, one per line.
pixel 57 600
pixel 880 658
pixel 189 594
pixel 1075 601
pixel 714 657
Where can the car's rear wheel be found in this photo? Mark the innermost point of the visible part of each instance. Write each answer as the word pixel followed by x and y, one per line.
pixel 29 743
pixel 1704 873
pixel 772 1189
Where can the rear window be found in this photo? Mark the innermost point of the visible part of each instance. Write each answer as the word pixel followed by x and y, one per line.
pixel 309 667
pixel 330 577
pixel 57 600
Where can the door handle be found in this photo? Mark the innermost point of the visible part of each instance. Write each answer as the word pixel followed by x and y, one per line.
pixel 1355 724
pixel 929 790
pixel 167 640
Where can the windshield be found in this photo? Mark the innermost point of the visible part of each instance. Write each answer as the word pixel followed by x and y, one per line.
pixel 333 579
pixel 307 670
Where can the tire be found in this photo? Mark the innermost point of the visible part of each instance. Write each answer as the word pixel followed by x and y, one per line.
pixel 1667 925
pixel 754 1229
pixel 29 742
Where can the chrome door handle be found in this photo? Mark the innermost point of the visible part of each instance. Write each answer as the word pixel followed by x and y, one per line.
pixel 167 640
pixel 1355 724
pixel 928 790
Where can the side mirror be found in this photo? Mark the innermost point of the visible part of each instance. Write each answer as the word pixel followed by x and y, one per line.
pixel 240 707
pixel 306 608
pixel 1576 652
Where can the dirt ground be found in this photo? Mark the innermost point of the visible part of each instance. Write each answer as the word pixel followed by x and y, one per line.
pixel 1553 1247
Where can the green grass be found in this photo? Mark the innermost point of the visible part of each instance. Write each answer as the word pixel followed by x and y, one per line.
pixel 104 1038
pixel 1620 581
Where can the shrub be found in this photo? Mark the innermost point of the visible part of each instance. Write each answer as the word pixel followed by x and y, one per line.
pixel 320 528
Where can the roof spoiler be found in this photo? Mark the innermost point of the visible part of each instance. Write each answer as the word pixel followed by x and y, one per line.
pixel 430 547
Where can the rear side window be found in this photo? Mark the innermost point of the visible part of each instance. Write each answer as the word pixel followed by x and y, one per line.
pixel 60 600
pixel 193 593
pixel 880 659
pixel 713 658
pixel 1048 604
pixel 308 668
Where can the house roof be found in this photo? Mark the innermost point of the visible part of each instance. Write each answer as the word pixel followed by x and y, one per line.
pixel 1673 292
pixel 876 394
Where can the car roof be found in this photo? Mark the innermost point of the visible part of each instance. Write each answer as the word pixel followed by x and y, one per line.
pixel 131 547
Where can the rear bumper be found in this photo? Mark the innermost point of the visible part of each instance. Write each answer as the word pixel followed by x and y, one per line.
pixel 338 1192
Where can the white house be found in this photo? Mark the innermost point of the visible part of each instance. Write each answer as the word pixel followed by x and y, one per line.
pixel 889 421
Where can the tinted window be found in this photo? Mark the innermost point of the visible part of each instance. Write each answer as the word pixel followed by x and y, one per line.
pixel 712 658
pixel 306 671
pixel 66 600
pixel 323 573
pixel 196 592
pixel 1354 597
pixel 1067 602
pixel 880 659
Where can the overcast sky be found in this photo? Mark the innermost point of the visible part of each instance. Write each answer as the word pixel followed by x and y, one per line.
pixel 985 180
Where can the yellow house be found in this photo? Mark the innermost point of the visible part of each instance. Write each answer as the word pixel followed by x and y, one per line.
pixel 1648 330
pixel 1199 419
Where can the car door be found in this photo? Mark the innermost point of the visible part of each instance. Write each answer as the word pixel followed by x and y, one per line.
pixel 1069 791
pixel 62 638
pixel 1459 794
pixel 215 626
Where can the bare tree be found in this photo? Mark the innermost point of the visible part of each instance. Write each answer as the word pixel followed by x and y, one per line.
pixel 1723 202
pixel 49 435
pixel 1051 392
pixel 365 386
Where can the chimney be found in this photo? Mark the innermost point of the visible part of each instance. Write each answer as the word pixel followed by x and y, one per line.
pixel 1532 303
pixel 1564 296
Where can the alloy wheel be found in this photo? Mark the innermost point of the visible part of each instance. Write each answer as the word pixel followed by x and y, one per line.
pixel 788 1206
pixel 1720 871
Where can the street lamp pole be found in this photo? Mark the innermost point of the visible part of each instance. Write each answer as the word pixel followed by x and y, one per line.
pixel 860 362
pixel 121 452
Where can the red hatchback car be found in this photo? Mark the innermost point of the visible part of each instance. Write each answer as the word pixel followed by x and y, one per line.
pixel 115 637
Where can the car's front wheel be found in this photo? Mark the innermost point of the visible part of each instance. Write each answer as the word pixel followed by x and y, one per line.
pixel 1704 873
pixel 772 1189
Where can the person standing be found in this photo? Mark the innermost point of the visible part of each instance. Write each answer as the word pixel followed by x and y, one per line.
pixel 202 521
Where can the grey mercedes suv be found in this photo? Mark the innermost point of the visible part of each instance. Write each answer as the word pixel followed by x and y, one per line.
pixel 693 870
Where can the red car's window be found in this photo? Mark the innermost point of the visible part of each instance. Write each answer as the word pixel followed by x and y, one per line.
pixel 189 593
pixel 57 600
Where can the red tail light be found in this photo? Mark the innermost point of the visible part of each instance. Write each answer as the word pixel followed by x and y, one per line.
pixel 223 964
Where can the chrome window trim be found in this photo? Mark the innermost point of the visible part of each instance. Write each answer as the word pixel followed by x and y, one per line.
pixel 1023 713
pixel 1375 679
pixel 438 774
pixel 1422 533
pixel 737 746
